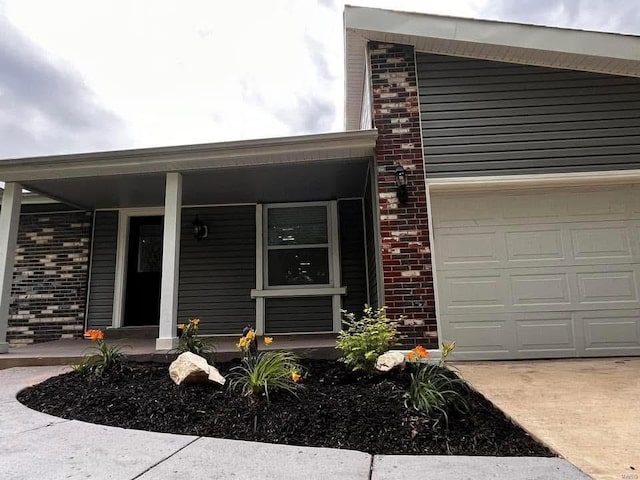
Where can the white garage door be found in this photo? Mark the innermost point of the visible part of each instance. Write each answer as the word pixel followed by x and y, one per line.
pixel 539 273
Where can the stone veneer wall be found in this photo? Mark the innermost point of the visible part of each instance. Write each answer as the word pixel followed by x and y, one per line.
pixel 406 254
pixel 49 290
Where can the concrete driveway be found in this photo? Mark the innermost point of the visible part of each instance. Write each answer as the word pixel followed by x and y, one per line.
pixel 587 410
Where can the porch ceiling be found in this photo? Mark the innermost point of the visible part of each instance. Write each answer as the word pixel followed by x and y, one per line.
pixel 274 183
pixel 286 169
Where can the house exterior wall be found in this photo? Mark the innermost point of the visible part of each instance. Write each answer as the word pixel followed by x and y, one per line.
pixel 404 229
pixel 352 255
pixel 103 270
pixel 482 117
pixel 218 272
pixel 50 275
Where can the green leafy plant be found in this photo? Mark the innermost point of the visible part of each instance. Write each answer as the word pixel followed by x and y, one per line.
pixel 434 390
pixel 191 341
pixel 261 373
pixel 363 340
pixel 106 359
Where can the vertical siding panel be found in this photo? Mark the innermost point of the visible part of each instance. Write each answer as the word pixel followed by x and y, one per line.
pixel 103 270
pixel 352 255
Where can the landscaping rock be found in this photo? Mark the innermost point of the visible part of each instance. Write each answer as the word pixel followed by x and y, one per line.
pixel 390 360
pixel 192 368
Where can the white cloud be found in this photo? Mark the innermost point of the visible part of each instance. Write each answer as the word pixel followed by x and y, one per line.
pixel 204 71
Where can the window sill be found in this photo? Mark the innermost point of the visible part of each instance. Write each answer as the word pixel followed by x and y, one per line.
pixel 298 292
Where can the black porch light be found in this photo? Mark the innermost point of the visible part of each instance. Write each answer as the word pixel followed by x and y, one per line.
pixel 200 229
pixel 401 184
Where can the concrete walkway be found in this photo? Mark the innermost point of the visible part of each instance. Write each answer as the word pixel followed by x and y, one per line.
pixel 587 410
pixel 35 445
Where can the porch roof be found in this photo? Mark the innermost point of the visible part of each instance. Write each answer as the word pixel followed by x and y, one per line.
pixel 599 52
pixel 296 168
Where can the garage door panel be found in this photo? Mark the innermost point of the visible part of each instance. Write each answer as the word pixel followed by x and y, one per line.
pixel 617 332
pixel 540 289
pixel 471 292
pixel 601 242
pixel 486 333
pixel 553 334
pixel 539 273
pixel 519 246
pixel 544 245
pixel 462 248
pixel 607 287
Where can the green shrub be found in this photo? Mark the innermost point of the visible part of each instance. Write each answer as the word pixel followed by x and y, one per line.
pixel 267 372
pixel 364 340
pixel 433 390
pixel 190 340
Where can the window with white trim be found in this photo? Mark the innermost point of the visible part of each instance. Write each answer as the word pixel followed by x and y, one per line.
pixel 298 246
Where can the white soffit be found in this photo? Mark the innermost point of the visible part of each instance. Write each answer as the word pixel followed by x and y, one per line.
pixel 229 155
pixel 609 53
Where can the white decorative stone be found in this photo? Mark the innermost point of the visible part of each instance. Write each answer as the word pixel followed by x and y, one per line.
pixel 389 360
pixel 192 368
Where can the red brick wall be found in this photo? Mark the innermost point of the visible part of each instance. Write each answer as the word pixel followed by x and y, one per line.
pixel 406 254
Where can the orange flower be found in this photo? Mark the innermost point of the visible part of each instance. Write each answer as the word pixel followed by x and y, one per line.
pixel 251 335
pixel 421 351
pixel 195 321
pixel 94 335
pixel 411 356
pixel 295 376
pixel 268 340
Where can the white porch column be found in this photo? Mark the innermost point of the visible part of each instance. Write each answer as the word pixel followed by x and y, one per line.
pixel 9 221
pixel 170 263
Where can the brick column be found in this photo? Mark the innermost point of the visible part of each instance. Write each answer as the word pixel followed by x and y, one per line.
pixel 406 254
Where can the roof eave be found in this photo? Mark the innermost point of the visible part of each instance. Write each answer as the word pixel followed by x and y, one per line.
pixel 599 52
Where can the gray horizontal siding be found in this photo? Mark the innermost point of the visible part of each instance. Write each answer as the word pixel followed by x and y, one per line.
pixel 370 233
pixel 352 255
pixel 218 273
pixel 298 314
pixel 103 270
pixel 481 117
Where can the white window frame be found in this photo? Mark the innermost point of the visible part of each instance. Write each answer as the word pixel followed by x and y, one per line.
pixel 263 290
pixel 328 245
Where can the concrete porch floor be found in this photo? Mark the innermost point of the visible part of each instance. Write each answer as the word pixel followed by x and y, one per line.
pixel 69 351
pixel 587 410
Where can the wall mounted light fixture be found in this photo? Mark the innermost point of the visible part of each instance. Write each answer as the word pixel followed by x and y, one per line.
pixel 200 229
pixel 401 184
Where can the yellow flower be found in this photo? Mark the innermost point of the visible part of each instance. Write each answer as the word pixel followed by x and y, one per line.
pixel 447 348
pixel 251 335
pixel 195 321
pixel 242 343
pixel 268 340
pixel 94 335
pixel 295 376
pixel 181 326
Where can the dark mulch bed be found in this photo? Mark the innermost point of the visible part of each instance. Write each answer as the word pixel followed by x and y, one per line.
pixel 335 409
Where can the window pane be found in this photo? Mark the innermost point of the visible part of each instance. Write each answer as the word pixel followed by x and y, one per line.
pixel 150 249
pixel 300 266
pixel 297 225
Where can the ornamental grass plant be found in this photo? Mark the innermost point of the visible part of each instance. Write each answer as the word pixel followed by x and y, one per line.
pixel 260 373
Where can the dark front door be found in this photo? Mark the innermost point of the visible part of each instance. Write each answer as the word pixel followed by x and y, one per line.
pixel 144 266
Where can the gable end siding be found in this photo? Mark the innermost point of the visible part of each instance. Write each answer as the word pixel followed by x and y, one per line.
pixel 482 117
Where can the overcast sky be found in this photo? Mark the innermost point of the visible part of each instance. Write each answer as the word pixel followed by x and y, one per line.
pixel 87 75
